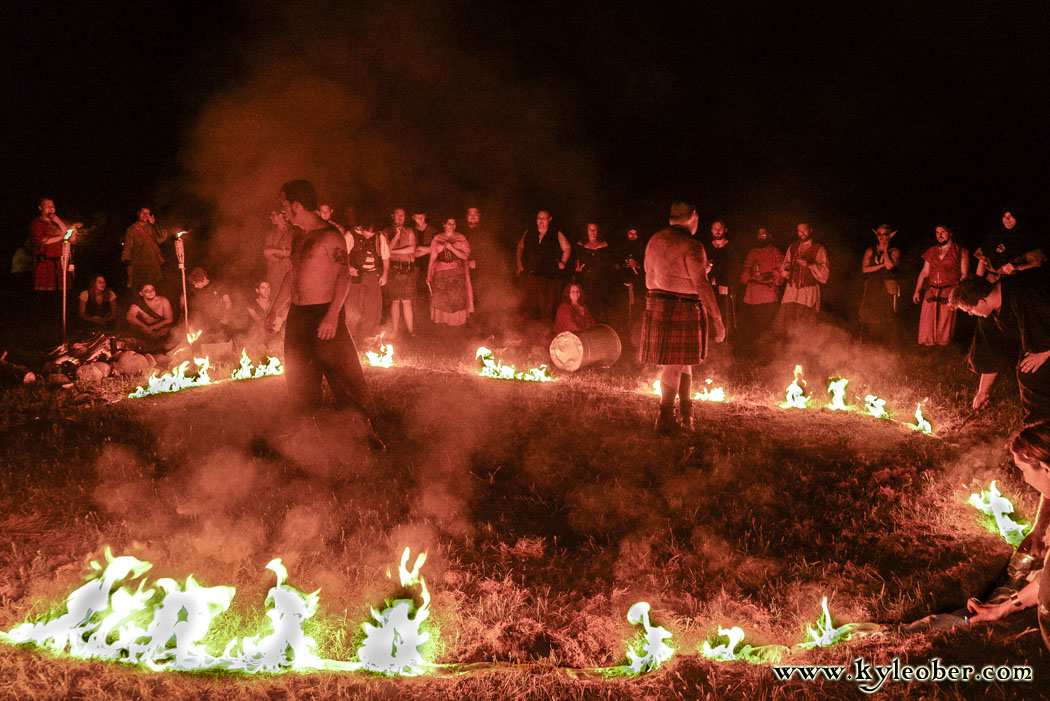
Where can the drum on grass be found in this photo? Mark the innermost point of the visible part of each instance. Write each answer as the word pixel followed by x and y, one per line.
pixel 572 350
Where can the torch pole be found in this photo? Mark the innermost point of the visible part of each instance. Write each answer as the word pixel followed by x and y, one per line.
pixel 64 261
pixel 180 253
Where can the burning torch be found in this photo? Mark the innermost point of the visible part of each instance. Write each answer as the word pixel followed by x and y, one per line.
pixel 180 253
pixel 67 252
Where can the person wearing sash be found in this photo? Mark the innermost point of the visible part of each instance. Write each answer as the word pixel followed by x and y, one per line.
pixel 141 252
pixel 151 318
pixel 944 265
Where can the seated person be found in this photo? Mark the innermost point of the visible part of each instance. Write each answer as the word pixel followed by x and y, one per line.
pixel 572 315
pixel 98 305
pixel 151 319
pixel 249 330
pixel 1030 450
pixel 209 309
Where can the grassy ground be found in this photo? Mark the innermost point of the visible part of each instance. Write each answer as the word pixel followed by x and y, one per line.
pixel 546 510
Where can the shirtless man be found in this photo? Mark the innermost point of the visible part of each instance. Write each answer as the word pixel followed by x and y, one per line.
pixel 316 343
pixel 679 306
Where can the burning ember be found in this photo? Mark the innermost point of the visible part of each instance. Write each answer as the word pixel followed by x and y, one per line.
pixel 192 336
pixel 994 504
pixel 654 651
pixel 921 424
pixel 795 397
pixel 496 369
pixel 383 359
pixel 175 381
pixel 837 390
pixel 826 634
pixel 391 646
pixel 876 407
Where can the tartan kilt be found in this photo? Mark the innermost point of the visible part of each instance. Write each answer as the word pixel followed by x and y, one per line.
pixel 674 332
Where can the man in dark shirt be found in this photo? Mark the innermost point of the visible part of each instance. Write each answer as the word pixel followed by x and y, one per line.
pixel 1019 306
pixel 723 273
pixel 542 255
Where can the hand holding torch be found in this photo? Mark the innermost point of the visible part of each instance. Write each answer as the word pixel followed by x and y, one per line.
pixel 180 253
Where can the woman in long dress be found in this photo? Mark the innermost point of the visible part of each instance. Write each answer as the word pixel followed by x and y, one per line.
pixel 448 276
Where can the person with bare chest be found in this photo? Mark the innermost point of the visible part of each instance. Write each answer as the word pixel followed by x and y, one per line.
pixel 316 342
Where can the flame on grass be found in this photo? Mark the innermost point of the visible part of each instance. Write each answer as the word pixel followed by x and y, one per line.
pixel 653 651
pixel 175 381
pixel 391 645
pixel 726 651
pixel 837 390
pixel 795 396
pixel 707 394
pixel 192 336
pixel 383 359
pixel 161 626
pixel 496 369
pixel 826 634
pixel 876 407
pixel 247 371
pixel 994 504
pixel 921 424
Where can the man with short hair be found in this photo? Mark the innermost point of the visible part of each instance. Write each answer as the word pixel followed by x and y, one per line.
pixel 761 277
pixel 369 269
pixel 316 343
pixel 542 256
pixel 401 284
pixel 325 211
pixel 1019 308
pixel 46 233
pixel 805 268
pixel 679 306
pixel 141 252
pixel 723 261
pixel 151 318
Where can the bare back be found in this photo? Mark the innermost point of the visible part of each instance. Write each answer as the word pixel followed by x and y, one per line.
pixel 318 259
pixel 675 262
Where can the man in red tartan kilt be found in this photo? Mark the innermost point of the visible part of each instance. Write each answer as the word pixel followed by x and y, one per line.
pixel 679 307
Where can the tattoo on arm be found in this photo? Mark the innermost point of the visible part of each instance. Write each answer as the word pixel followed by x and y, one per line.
pixel 340 256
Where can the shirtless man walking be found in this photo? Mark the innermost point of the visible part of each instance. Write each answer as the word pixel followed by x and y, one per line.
pixel 316 342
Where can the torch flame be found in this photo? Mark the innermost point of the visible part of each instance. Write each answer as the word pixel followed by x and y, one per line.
pixel 69 234
pixel 180 234
pixel 383 359
pixel 496 369
pixel 837 390
pixel 826 634
pixel 795 397
pixel 654 651
pixel 994 504
pixel 876 407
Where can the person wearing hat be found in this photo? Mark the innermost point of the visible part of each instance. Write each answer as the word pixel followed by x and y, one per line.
pixel 805 269
pixel 878 306
pixel 679 307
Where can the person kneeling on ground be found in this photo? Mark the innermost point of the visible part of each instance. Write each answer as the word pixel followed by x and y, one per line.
pixel 1030 450
pixel 151 319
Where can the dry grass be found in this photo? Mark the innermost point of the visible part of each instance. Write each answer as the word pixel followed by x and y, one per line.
pixel 546 510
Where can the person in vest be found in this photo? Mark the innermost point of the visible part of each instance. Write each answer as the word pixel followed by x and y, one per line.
pixel 760 276
pixel 944 265
pixel 542 255
pixel 369 268
pixel 401 285
pixel 679 306
pixel 98 305
pixel 805 269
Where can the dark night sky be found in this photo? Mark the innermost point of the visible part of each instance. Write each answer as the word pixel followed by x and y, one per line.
pixel 849 114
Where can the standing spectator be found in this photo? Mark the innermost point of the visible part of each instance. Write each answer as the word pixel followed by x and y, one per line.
pixel 276 249
pixel 46 233
pixel 679 306
pixel 572 314
pixel 369 268
pixel 805 269
pixel 762 281
pixel 98 305
pixel 878 305
pixel 594 270
pixel 448 277
pixel 424 233
pixel 541 256
pixel 400 288
pixel 944 265
pixel 325 211
pixel 1008 249
pixel 141 254
pixel 724 263
pixel 630 283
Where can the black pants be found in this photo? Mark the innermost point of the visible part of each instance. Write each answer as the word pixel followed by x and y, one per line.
pixel 307 359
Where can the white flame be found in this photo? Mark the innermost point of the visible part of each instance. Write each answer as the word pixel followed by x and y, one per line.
pixel 837 390
pixel 725 651
pixel 383 359
pixel 876 407
pixel 921 424
pixel 496 369
pixel 826 634
pixel 654 650
pixel 795 397
pixel 994 504
pixel 391 646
